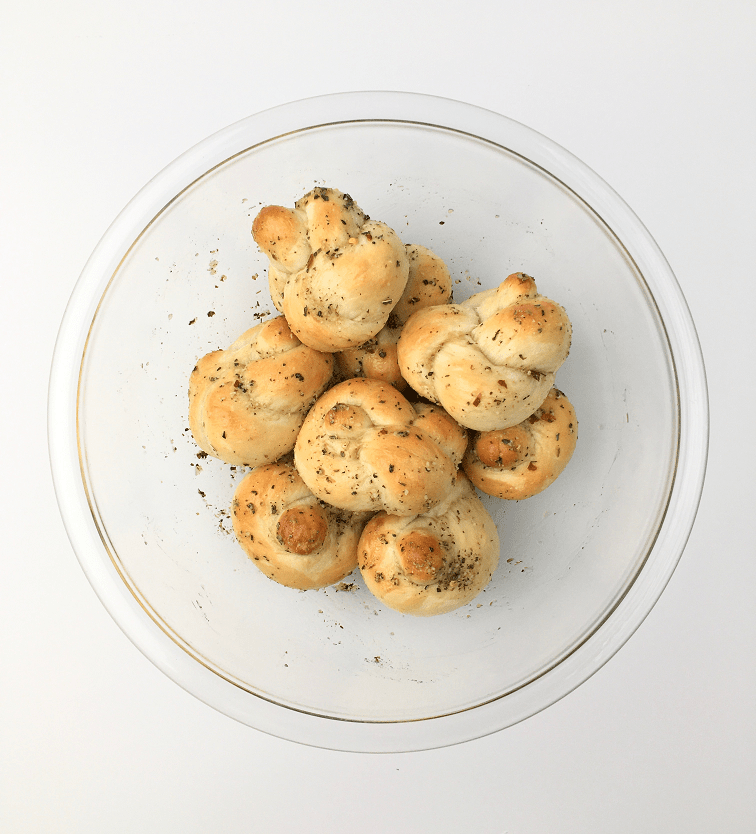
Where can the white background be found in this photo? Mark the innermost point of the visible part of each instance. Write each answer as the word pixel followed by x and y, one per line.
pixel 657 97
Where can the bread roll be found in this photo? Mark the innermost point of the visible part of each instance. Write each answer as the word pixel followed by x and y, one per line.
pixel 334 273
pixel 490 361
pixel 429 284
pixel 292 537
pixel 364 447
pixel 247 403
pixel 523 460
pixel 434 562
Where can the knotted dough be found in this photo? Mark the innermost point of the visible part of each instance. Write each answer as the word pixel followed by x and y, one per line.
pixel 523 460
pixel 292 537
pixel 490 361
pixel 247 403
pixel 334 273
pixel 434 562
pixel 428 285
pixel 364 447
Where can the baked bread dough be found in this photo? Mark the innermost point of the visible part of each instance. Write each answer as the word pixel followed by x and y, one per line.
pixel 334 273
pixel 292 537
pixel 247 403
pixel 523 460
pixel 490 361
pixel 435 562
pixel 364 447
pixel 428 285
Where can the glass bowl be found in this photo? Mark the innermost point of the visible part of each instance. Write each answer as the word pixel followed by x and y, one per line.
pixel 178 274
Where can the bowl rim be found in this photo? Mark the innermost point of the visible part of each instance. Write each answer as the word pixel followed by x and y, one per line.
pixel 134 620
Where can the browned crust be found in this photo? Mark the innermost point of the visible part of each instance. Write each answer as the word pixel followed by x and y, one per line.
pixel 434 562
pixel 247 403
pixel 491 360
pixel 318 552
pixel 545 443
pixel 363 447
pixel 334 273
pixel 429 284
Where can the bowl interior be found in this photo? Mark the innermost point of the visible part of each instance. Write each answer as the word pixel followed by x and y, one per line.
pixel 193 280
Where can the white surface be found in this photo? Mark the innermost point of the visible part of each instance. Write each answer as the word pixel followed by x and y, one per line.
pixel 659 100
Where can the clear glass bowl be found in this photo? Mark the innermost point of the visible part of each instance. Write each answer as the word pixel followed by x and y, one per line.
pixel 178 274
